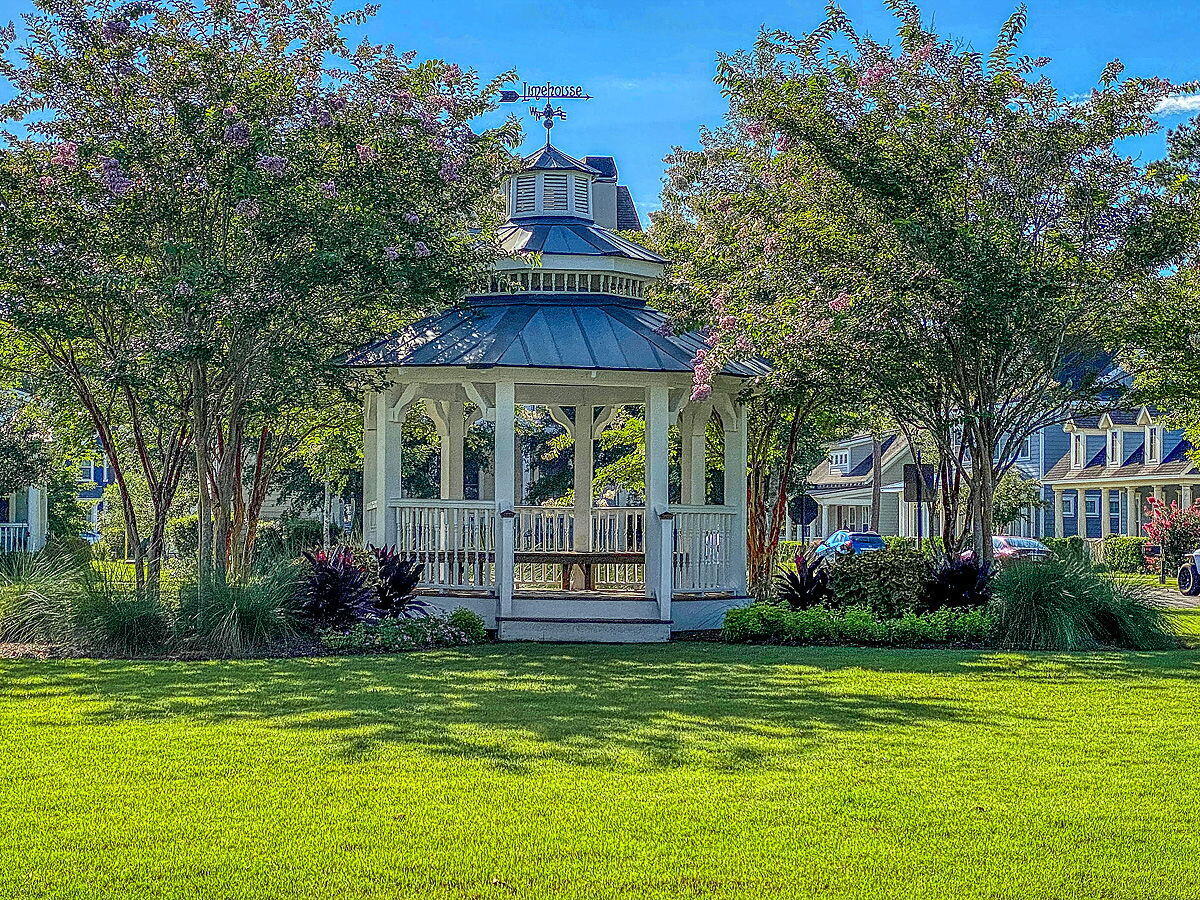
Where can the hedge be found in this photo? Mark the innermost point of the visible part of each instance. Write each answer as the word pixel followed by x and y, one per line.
pixel 768 623
pixel 1125 553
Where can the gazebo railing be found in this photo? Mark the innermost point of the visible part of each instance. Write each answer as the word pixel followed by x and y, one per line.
pixel 454 539
pixel 14 537
pixel 621 529
pixel 703 544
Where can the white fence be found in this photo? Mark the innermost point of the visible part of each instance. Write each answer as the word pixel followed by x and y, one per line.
pixel 703 543
pixel 619 529
pixel 454 539
pixel 14 537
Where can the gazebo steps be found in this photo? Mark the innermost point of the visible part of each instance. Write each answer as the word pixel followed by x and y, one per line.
pixel 589 630
pixel 585 608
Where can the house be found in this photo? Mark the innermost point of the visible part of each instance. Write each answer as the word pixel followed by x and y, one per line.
pixel 23 519
pixel 1116 462
pixel 1071 463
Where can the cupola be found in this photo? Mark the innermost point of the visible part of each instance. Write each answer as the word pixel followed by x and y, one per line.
pixel 551 184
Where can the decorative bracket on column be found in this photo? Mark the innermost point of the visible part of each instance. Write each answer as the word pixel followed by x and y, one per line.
pixel 403 402
pixel 486 410
pixel 606 417
pixel 727 411
pixel 559 415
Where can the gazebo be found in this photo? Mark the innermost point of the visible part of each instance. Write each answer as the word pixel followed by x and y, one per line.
pixel 562 324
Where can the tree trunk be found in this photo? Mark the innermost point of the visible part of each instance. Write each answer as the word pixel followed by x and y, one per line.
pixel 876 479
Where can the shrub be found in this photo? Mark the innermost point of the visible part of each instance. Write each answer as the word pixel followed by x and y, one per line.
pixel 397 582
pixel 184 536
pixel 956 583
pixel 393 635
pixel 37 595
pixel 334 592
pixel 228 619
pixel 898 542
pixel 1065 604
pixel 469 623
pixel 289 538
pixel 768 623
pixel 1073 547
pixel 111 614
pixel 888 582
pixel 1125 553
pixel 807 585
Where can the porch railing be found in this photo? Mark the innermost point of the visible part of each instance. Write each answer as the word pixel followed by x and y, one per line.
pixel 14 537
pixel 454 539
pixel 703 544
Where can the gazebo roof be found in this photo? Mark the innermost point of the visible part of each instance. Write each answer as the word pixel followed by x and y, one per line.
pixel 545 331
pixel 569 236
pixel 551 158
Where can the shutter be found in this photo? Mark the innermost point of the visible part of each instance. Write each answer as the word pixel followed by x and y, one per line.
pixel 554 193
pixel 581 196
pixel 526 187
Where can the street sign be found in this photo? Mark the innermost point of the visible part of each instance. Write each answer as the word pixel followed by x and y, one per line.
pixel 914 490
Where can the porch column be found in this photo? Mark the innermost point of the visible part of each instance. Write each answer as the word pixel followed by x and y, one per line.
pixel 824 520
pixel 35 518
pixel 452 432
pixel 1105 513
pixel 735 497
pixel 370 468
pixel 583 473
pixel 660 554
pixel 505 493
pixel 389 436
pixel 1133 519
pixel 1057 499
pixel 1185 496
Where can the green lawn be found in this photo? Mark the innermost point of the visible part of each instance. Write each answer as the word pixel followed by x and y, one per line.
pixel 687 770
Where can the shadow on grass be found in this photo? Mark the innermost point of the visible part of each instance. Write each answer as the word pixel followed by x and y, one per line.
pixel 644 708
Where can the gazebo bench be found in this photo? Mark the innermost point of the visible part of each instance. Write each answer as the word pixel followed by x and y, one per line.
pixel 584 559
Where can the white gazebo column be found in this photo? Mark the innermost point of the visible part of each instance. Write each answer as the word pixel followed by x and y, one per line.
pixel 693 433
pixel 1057 499
pixel 824 520
pixel 659 547
pixel 583 474
pixel 370 470
pixel 735 497
pixel 452 433
pixel 389 437
pixel 506 455
pixel 1185 496
pixel 36 517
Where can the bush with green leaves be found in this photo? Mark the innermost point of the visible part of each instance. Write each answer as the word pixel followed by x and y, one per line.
pixel 37 596
pixel 888 582
pixel 769 623
pixel 393 635
pixel 1064 603
pixel 956 583
pixel 1073 547
pixel 1125 553
pixel 229 619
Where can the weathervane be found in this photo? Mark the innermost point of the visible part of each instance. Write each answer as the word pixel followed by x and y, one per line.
pixel 547 92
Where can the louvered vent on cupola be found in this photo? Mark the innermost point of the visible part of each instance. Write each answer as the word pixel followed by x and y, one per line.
pixel 525 201
pixel 554 193
pixel 581 196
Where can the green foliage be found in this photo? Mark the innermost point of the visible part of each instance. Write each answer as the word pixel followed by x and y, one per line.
pixel 113 616
pixel 469 623
pixel 36 595
pixel 289 538
pixel 1070 548
pixel 229 619
pixel 184 535
pixel 888 582
pixel 395 635
pixel 1014 495
pixel 766 623
pixel 1125 553
pixel 1064 603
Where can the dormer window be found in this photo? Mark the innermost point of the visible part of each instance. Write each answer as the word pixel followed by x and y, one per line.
pixel 1153 444
pixel 1078 451
pixel 839 462
pixel 1115 450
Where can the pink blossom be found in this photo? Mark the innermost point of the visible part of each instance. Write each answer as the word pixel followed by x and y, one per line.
pixel 665 329
pixel 46 181
pixel 783 143
pixel 230 112
pixel 701 391
pixel 66 155
pixel 840 303
pixel 452 74
pixel 769 244
pixel 728 322
pixel 743 344
pixel 874 74
pixel 754 130
pixel 700 356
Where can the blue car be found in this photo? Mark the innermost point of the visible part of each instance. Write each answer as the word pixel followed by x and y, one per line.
pixel 843 543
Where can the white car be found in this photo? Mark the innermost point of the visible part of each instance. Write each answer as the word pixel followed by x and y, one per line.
pixel 1189 576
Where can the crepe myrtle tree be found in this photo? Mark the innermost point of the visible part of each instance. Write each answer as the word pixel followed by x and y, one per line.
pixel 998 225
pixel 205 204
pixel 725 207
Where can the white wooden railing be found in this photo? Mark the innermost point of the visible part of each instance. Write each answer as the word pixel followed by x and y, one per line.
pixel 454 539
pixel 703 544
pixel 14 537
pixel 621 529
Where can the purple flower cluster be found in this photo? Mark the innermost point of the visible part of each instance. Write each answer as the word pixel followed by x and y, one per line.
pixel 113 178
pixel 840 303
pixel 411 218
pixel 366 154
pixel 391 254
pixel 328 188
pixel 420 248
pixel 272 165
pixel 449 171
pixel 115 29
pixel 248 208
pixel 66 155
pixel 237 134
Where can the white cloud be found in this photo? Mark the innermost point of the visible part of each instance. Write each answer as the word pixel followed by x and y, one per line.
pixel 1178 105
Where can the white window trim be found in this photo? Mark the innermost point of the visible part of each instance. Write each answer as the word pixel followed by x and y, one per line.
pixel 1091 505
pixel 839 461
pixel 1153 444
pixel 1068 505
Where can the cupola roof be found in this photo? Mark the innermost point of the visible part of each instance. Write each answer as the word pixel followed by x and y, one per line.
pixel 550 158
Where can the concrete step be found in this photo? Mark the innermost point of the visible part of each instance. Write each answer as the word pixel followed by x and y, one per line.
pixel 577 608
pixel 590 631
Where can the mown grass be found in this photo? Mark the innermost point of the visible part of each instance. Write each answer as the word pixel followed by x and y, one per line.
pixel 686 770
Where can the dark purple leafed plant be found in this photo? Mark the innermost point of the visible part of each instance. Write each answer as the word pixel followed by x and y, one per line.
pixel 806 587
pixel 335 593
pixel 395 592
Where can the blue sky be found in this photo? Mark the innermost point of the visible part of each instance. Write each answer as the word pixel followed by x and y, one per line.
pixel 650 64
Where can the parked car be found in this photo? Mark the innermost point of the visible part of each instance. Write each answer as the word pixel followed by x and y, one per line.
pixel 1008 548
pixel 843 543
